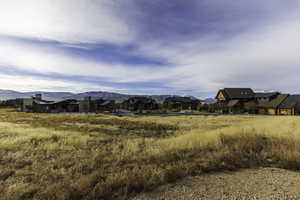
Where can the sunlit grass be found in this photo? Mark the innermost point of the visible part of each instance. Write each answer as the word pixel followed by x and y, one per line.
pixel 100 156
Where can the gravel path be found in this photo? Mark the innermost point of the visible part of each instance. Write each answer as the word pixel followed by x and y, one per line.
pixel 262 183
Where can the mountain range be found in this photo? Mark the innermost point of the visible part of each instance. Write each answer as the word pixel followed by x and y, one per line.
pixel 56 96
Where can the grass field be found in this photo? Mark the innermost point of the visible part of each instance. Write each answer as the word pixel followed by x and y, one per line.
pixel 47 156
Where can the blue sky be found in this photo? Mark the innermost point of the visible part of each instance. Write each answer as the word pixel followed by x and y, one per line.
pixel 179 47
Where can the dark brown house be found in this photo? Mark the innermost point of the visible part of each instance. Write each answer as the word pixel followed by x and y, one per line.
pixel 243 94
pixel 265 96
pixel 140 104
pixel 271 107
pixel 235 106
pixel 181 103
pixel 86 105
pixel 233 100
pixel 290 106
pixel 11 103
pixel 27 104
pixel 102 105
pixel 96 106
pixel 64 106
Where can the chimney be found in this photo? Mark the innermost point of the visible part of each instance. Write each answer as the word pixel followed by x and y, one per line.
pixel 88 98
pixel 38 97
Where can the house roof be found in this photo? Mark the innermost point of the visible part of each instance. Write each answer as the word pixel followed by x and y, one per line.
pixel 232 103
pixel 237 93
pixel 143 100
pixel 180 99
pixel 107 102
pixel 265 94
pixel 67 101
pixel 274 103
pixel 42 101
pixel 290 102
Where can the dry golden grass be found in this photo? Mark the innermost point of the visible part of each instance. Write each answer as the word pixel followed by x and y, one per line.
pixel 47 156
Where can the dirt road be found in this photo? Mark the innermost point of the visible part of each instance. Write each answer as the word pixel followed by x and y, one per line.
pixel 252 184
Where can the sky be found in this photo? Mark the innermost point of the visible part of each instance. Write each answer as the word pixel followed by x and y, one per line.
pixel 177 47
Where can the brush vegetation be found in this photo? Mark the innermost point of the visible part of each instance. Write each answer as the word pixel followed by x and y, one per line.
pixel 56 156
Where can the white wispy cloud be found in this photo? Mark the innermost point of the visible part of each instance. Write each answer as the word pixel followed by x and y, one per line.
pixel 49 59
pixel 265 59
pixel 69 21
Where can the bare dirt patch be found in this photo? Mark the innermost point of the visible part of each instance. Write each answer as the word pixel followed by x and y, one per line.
pixel 250 184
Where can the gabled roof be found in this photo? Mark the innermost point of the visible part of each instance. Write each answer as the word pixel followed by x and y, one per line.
pixel 266 94
pixel 107 102
pixel 42 101
pixel 66 101
pixel 232 103
pixel 237 93
pixel 290 102
pixel 274 103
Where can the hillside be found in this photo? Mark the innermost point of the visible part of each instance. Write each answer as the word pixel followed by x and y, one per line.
pixel 55 96
pixel 11 94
